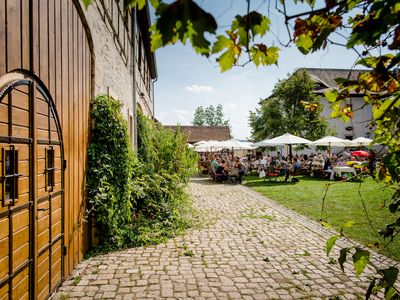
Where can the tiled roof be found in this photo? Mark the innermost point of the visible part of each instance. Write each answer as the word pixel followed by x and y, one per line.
pixel 325 78
pixel 204 133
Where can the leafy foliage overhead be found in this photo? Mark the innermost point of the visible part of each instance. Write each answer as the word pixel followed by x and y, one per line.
pixel 180 21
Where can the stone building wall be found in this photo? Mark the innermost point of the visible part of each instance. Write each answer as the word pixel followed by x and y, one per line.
pixel 111 75
pixel 358 126
pixel 113 62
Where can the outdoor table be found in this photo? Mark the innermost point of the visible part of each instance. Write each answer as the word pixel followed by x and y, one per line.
pixel 339 170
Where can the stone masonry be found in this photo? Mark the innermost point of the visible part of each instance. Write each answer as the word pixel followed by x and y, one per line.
pixel 247 248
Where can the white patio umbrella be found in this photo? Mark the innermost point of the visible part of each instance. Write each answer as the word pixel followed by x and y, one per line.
pixel 288 139
pixel 360 141
pixel 249 144
pixel 261 143
pixel 208 146
pixel 233 145
pixel 331 141
pixel 199 143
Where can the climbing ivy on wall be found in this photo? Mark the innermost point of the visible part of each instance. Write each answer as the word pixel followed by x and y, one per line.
pixel 136 199
pixel 110 167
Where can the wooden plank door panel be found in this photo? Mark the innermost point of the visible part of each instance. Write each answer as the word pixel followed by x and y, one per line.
pixel 47 38
pixel 32 195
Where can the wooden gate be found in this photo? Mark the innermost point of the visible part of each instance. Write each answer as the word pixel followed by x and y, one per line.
pixel 32 190
pixel 45 45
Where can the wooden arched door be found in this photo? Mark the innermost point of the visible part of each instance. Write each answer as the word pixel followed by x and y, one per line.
pixel 32 190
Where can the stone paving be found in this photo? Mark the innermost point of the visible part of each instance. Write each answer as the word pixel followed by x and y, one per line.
pixel 249 248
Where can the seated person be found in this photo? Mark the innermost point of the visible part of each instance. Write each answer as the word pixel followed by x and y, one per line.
pixel 263 162
pixel 238 164
pixel 296 166
pixel 317 163
pixel 328 168
pixel 225 166
pixel 214 164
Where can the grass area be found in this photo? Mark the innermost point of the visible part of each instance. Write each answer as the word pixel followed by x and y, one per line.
pixel 342 203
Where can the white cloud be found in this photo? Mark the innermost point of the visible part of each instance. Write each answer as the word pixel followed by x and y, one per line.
pixel 183 117
pixel 199 88
pixel 231 106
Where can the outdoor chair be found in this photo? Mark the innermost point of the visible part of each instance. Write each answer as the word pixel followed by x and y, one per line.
pixel 233 175
pixel 294 174
pixel 271 173
pixel 219 175
pixel 317 173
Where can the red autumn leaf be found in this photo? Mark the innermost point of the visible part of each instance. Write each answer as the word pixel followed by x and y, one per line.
pixel 392 87
pixel 335 20
pixel 299 27
pixel 396 39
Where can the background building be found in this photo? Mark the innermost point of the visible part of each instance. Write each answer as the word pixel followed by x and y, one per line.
pixel 55 56
pixel 204 133
pixel 359 124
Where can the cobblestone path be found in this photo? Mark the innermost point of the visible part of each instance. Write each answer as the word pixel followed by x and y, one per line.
pixel 250 248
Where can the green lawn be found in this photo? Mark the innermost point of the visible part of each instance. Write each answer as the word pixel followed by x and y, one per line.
pixel 342 204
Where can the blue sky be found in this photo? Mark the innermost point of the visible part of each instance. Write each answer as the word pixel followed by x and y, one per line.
pixel 187 80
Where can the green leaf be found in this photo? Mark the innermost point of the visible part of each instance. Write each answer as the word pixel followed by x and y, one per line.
pixel 390 294
pixel 326 225
pixel 132 3
pixel 182 20
pixel 342 257
pixel 227 60
pixel 221 43
pixel 155 3
pixel 351 4
pixel 369 62
pixel 87 3
pixel 262 28
pixel 346 225
pixel 263 55
pixel 330 243
pixel 304 43
pixel 331 95
pixel 247 27
pixel 360 260
pixel 379 110
pixel 390 275
pixel 156 39
pixel 335 110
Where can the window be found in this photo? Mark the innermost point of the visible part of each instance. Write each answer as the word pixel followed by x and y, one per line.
pixel 9 176
pixel 50 169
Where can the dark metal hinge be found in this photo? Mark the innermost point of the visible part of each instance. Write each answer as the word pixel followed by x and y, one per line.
pixel 64 164
pixel 64 250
